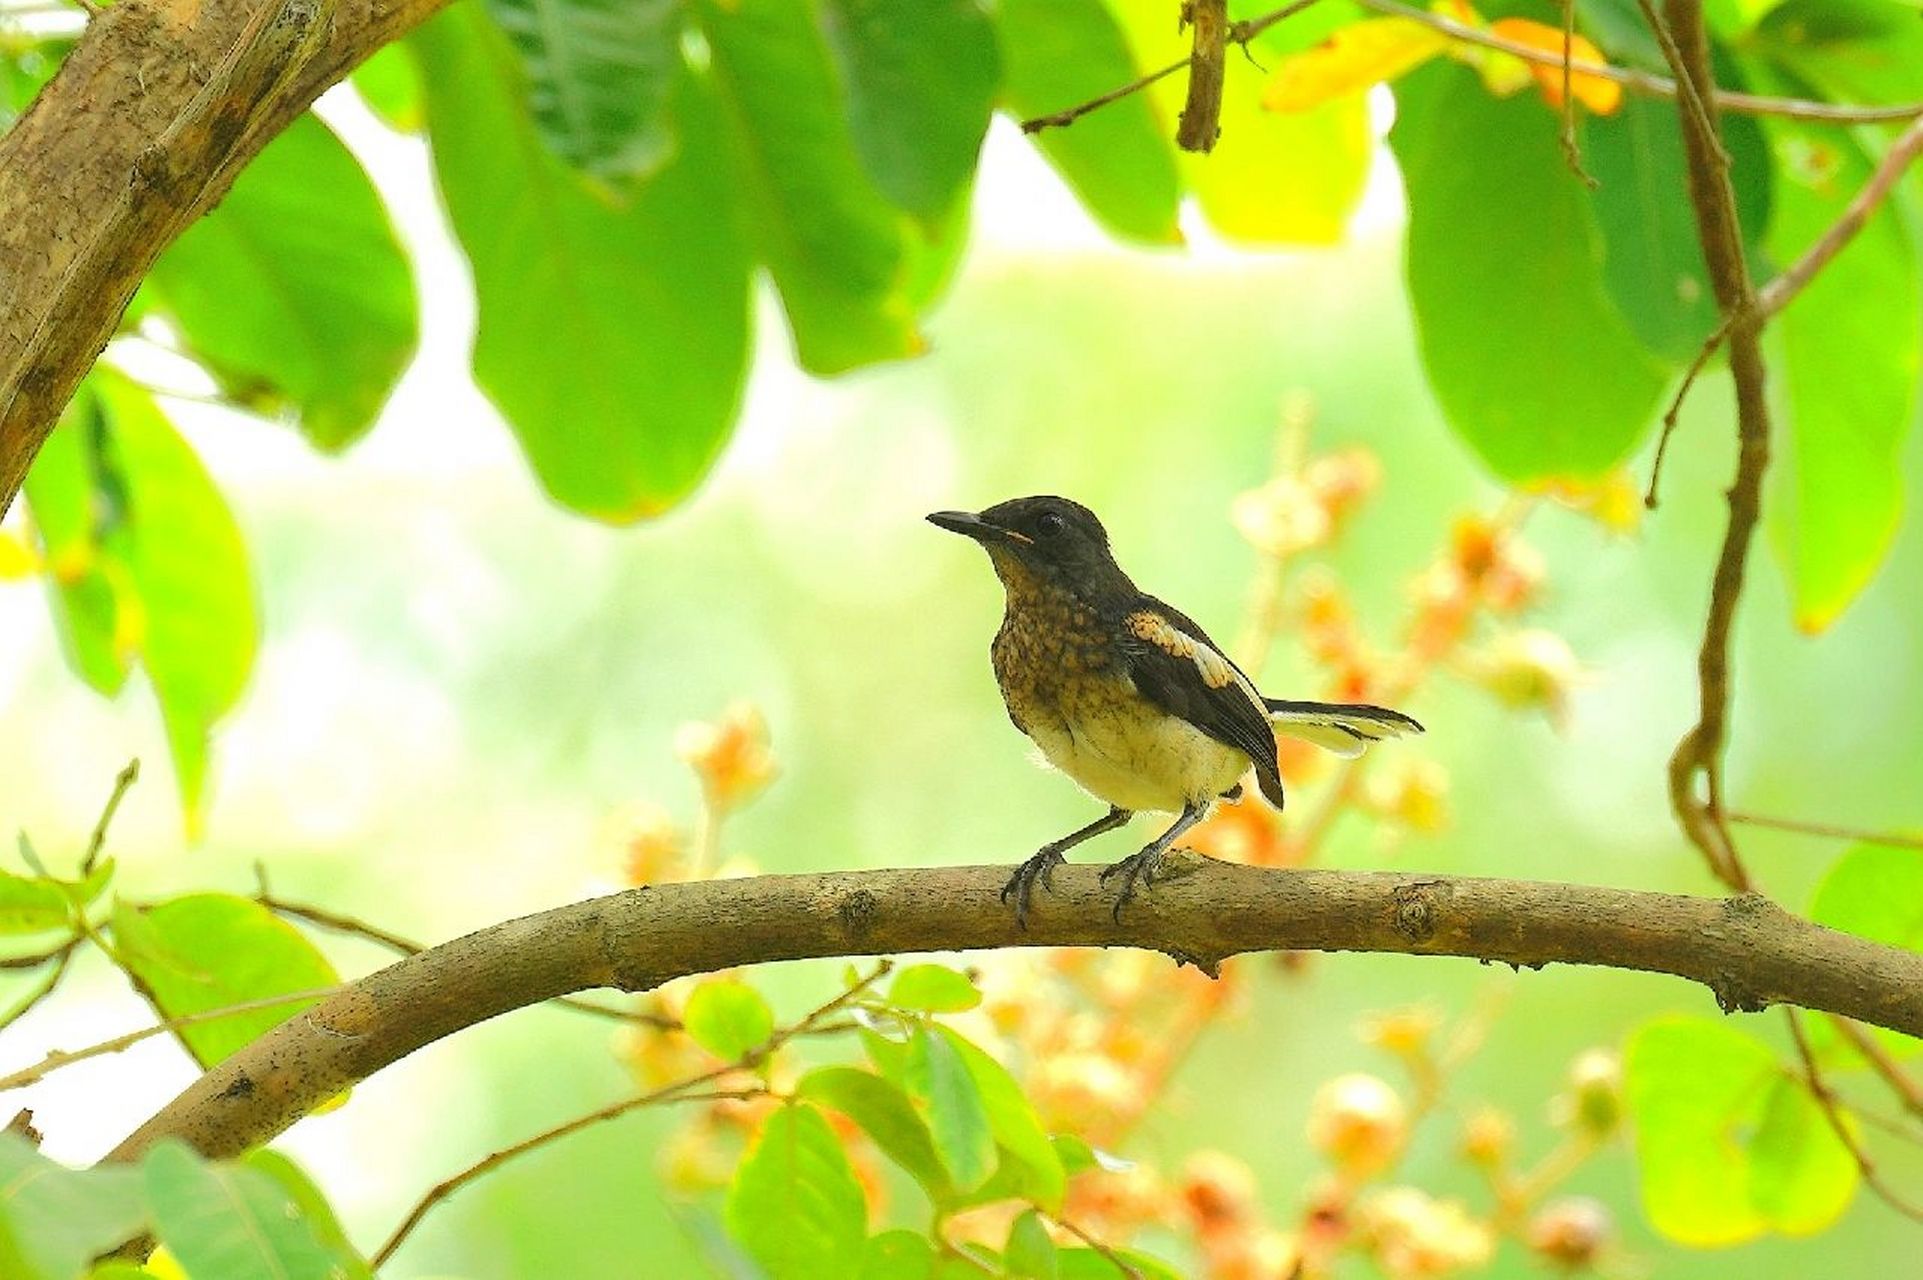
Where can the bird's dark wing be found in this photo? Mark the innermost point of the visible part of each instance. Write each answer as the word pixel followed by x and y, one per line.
pixel 1179 669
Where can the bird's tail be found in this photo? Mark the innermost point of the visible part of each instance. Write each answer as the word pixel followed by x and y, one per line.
pixel 1346 728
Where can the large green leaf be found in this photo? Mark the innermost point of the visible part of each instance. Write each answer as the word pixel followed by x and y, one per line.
pixel 1652 261
pixel 795 1204
pixel 209 950
pixel 145 558
pixel 1531 364
pixel 1058 54
pixel 938 1079
pixel 295 288
pixel 1849 347
pixel 196 629
pixel 1030 1252
pixel 600 76
pixel 613 336
pixel 55 1220
pixel 1863 51
pixel 1272 178
pixel 235 1222
pixel 920 78
pixel 838 250
pixel 885 1114
pixel 1730 1144
pixel 390 84
pixel 1011 1117
pixel 727 1017
pixel 312 1205
pixel 898 1255
pixel 933 988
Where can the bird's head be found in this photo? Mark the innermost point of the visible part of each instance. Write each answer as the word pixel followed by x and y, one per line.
pixel 1045 537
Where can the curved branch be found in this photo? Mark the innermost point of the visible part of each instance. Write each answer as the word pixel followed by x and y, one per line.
pixel 1749 952
pixel 141 132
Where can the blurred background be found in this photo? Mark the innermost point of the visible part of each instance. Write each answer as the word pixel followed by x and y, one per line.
pixel 465 696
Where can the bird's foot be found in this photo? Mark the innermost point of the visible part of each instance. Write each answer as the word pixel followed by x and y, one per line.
pixel 1041 868
pixel 1144 868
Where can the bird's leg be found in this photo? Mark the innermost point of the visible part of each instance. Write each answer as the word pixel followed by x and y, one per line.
pixel 1143 866
pixel 1042 866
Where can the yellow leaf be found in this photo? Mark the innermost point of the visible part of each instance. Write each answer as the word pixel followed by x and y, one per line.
pixel 1350 61
pixel 1599 95
pixel 17 559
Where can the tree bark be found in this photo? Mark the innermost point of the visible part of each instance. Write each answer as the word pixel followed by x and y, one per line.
pixel 1747 951
pixel 142 131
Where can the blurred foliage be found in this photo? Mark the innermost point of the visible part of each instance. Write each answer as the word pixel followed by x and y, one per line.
pixel 617 175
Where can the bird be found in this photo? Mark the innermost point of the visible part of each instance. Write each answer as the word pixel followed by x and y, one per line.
pixel 1127 695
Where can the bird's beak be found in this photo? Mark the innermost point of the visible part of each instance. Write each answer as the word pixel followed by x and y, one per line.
pixel 970 525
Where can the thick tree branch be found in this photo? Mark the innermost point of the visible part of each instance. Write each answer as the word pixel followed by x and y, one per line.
pixel 1208 64
pixel 142 131
pixel 1749 952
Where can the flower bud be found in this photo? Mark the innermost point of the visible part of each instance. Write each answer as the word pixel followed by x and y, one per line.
pixel 730 756
pixel 1595 1097
pixel 1359 1122
pixel 1487 1138
pixel 1572 1231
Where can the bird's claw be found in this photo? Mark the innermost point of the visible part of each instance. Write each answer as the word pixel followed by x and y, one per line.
pixel 1022 884
pixel 1136 867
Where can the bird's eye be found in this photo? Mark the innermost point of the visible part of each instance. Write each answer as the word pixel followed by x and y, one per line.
pixel 1049 523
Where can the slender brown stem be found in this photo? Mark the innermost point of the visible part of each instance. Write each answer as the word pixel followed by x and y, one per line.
pixel 1860 1038
pixel 123 782
pixel 59 1058
pixel 1107 1252
pixel 1832 1113
pixel 1826 829
pixel 1670 415
pixel 62 959
pixel 1571 150
pixel 676 1092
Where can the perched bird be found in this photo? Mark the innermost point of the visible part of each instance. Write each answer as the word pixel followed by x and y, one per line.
pixel 1126 695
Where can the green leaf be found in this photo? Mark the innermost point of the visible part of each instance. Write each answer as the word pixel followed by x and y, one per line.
pixel 55 1220
pixel 897 1255
pixel 71 502
pixel 885 1114
pixel 1030 1253
pixel 1730 1146
pixel 313 1206
pixel 1011 1117
pixel 39 904
pixel 25 65
pixel 233 1222
pixel 933 988
pixel 1849 347
pixel 209 950
pixel 795 1204
pixel 1272 178
pixel 600 78
pixel 935 1076
pixel 920 77
pixel 727 1017
pixel 613 337
pixel 835 246
pixel 390 85
pixel 296 288
pixel 1530 363
pixel 1652 264
pixel 184 557
pixel 1058 54
pixel 1867 51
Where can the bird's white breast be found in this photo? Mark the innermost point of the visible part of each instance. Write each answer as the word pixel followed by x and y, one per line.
pixel 1133 755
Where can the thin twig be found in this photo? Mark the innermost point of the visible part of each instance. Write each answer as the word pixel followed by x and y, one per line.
pixel 1201 120
pixel 1825 829
pixel 1864 1041
pixel 1778 293
pixel 339 922
pixel 123 782
pixel 1695 370
pixel 676 1092
pixel 1826 1099
pixel 1571 151
pixel 1240 33
pixel 1685 43
pixel 61 960
pixel 59 1058
pixel 1107 1251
